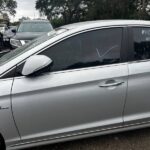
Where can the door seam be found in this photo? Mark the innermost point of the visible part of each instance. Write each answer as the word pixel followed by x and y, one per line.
pixel 12 108
pixel 126 96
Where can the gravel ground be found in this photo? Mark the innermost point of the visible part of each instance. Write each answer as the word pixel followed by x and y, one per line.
pixel 133 140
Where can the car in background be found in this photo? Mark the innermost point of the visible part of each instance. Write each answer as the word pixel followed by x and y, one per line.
pixel 8 34
pixel 29 30
pixel 3 28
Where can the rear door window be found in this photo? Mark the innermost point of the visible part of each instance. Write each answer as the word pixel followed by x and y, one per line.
pixel 141 39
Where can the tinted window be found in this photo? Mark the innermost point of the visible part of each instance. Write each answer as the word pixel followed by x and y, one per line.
pixel 29 46
pixel 141 43
pixel 89 49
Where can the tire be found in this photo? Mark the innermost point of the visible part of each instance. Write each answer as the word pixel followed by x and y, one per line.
pixel 2 144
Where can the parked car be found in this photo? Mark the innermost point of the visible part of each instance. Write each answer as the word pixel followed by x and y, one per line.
pixel 78 81
pixel 29 30
pixel 8 34
pixel 3 28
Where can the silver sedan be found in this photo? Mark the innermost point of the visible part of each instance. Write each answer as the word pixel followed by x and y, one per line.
pixel 78 81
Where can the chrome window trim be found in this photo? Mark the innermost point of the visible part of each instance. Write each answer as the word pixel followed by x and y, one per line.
pixel 139 61
pixel 75 70
pixel 137 25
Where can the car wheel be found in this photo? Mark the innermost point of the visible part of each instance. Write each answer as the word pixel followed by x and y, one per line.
pixel 2 144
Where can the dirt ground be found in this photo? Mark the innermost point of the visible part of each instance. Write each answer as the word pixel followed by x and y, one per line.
pixel 133 140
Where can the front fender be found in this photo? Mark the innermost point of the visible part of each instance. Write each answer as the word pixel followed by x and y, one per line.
pixel 7 125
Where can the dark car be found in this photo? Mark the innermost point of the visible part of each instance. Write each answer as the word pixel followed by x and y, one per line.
pixel 29 30
pixel 8 34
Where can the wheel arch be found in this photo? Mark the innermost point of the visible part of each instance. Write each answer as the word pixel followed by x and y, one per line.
pixel 2 140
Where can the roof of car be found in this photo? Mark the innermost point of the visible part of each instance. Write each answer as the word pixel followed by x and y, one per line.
pixel 101 23
pixel 39 20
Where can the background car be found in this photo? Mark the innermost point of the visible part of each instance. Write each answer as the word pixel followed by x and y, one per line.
pixel 8 34
pixel 29 30
pixel 3 28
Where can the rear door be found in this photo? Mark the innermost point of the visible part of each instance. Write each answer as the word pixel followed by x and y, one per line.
pixel 137 109
pixel 84 91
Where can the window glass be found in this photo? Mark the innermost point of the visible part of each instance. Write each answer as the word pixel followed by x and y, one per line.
pixel 141 43
pixel 94 48
pixel 27 47
pixel 35 27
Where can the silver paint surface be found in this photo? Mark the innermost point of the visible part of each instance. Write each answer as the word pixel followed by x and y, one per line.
pixel 67 105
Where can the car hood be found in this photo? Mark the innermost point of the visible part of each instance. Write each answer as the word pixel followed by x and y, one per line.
pixel 27 35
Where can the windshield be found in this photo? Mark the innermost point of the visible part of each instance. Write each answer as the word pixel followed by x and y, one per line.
pixel 35 27
pixel 19 51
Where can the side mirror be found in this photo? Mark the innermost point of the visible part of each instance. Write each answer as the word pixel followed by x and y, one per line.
pixel 35 64
pixel 14 30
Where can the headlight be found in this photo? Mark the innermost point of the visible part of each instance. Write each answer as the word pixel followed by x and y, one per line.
pixel 15 43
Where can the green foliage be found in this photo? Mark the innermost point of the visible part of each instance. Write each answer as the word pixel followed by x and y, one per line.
pixel 8 6
pixel 57 22
pixel 70 11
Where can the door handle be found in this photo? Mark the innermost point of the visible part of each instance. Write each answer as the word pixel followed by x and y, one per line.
pixel 3 108
pixel 111 84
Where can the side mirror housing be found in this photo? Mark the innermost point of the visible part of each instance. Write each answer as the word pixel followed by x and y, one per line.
pixel 35 64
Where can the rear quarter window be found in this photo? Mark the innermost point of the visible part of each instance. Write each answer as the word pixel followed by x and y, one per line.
pixel 141 42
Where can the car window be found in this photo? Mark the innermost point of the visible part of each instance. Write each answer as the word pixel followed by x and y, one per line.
pixel 94 48
pixel 27 47
pixel 141 37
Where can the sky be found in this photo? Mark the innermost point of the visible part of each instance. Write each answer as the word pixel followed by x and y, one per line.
pixel 25 8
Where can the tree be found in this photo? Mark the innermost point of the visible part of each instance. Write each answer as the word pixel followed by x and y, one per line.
pixel 112 9
pixel 143 7
pixel 6 17
pixel 69 10
pixel 8 6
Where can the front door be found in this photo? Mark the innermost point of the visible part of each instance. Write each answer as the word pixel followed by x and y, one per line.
pixel 84 91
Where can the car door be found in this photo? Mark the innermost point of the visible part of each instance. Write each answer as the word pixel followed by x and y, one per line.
pixel 84 91
pixel 137 109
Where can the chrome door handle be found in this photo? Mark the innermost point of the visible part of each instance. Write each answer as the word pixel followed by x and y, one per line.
pixel 111 84
pixel 3 108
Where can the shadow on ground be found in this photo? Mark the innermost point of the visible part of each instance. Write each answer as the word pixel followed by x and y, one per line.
pixel 133 140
